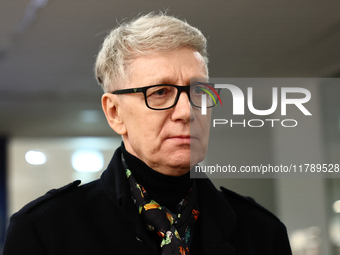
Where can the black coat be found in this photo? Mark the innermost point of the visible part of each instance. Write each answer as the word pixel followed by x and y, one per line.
pixel 100 218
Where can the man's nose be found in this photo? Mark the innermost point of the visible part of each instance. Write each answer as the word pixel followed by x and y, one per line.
pixel 183 109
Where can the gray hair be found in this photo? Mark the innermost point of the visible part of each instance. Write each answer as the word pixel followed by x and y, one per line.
pixel 143 36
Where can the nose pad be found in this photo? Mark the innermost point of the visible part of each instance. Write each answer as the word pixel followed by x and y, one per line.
pixel 192 114
pixel 183 107
pixel 188 96
pixel 190 103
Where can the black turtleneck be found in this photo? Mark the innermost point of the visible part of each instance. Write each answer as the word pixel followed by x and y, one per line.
pixel 165 190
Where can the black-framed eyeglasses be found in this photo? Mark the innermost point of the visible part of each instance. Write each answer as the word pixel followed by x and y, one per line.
pixel 165 96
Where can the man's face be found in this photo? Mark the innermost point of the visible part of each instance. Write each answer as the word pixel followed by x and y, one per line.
pixel 162 138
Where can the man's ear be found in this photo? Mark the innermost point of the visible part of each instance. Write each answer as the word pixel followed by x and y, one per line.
pixel 111 107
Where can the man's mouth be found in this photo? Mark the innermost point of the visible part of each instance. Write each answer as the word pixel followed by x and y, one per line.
pixel 183 138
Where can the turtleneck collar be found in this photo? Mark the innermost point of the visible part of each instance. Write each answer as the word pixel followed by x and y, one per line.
pixel 165 190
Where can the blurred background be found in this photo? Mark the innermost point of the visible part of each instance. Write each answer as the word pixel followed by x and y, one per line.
pixel 50 114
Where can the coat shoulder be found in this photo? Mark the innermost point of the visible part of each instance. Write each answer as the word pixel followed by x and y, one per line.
pixel 252 219
pixel 49 196
pixel 247 206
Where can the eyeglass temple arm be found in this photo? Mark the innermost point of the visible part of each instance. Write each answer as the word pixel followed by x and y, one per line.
pixel 126 91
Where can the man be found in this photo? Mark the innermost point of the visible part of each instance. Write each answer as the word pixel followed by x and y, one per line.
pixel 145 202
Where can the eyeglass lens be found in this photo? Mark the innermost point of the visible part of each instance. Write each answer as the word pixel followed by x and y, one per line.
pixel 161 97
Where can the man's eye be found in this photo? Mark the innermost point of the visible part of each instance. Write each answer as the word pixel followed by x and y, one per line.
pixel 160 92
pixel 157 92
pixel 199 90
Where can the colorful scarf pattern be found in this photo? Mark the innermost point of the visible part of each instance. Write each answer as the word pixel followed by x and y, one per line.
pixel 174 229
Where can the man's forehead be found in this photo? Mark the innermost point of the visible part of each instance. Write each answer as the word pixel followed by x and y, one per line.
pixel 176 67
pixel 166 80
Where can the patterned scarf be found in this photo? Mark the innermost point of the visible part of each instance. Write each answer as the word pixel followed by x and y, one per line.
pixel 174 230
